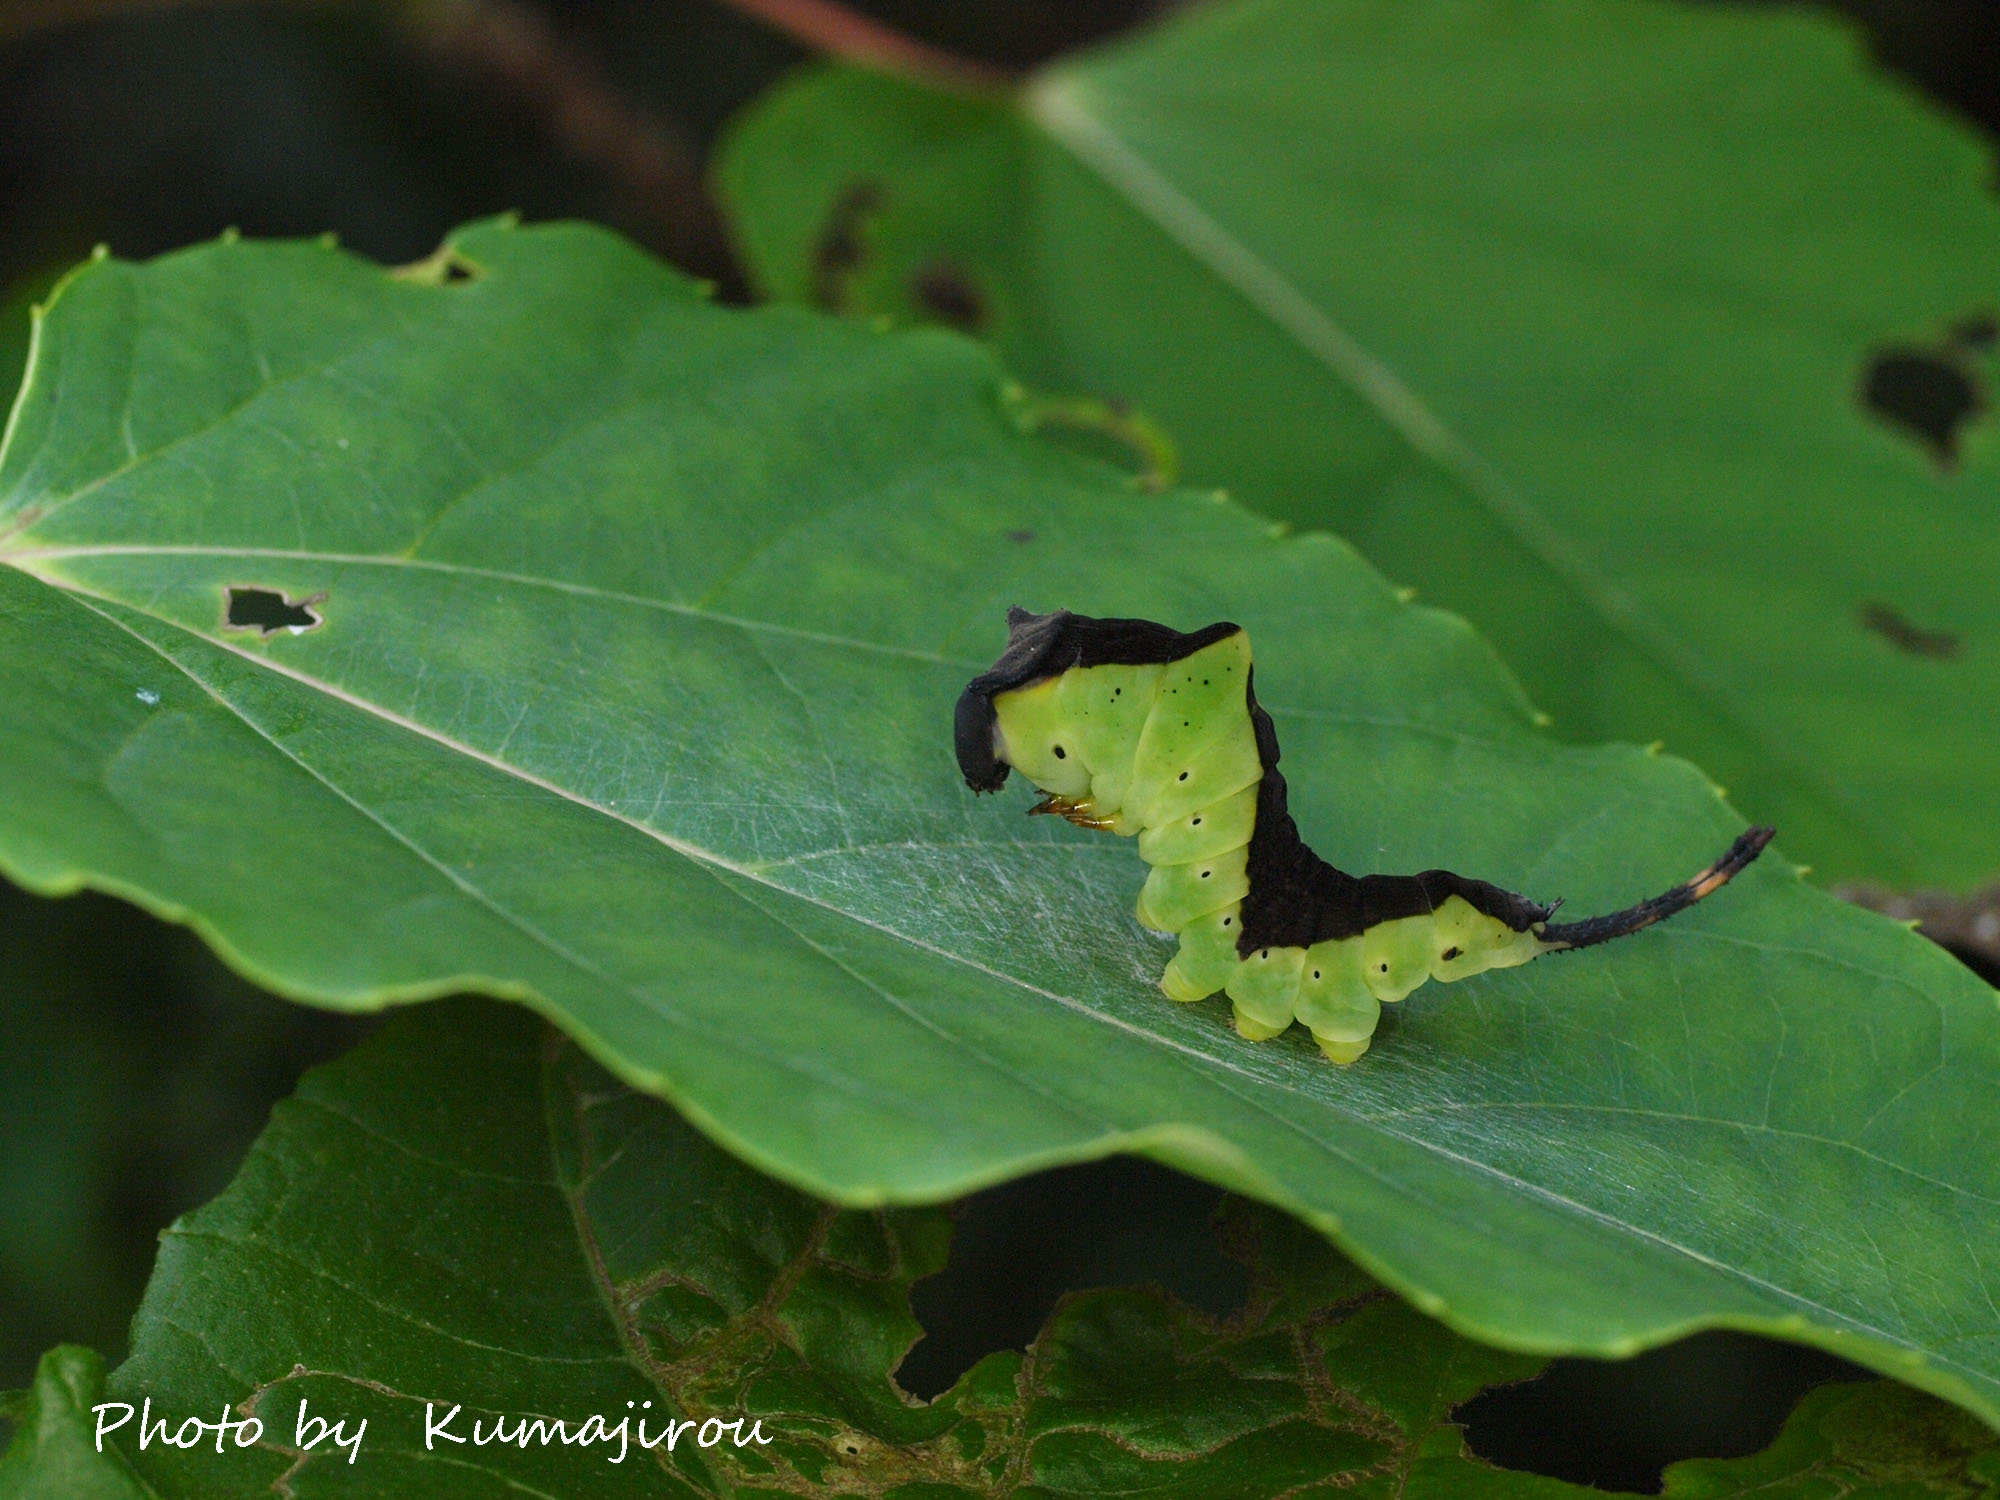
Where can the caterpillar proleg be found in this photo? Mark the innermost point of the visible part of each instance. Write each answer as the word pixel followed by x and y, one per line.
pixel 1139 729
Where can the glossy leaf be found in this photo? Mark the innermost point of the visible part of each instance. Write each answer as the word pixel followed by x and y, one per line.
pixel 640 623
pixel 520 1235
pixel 1655 338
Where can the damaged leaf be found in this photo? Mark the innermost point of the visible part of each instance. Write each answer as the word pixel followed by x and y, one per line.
pixel 634 1269
pixel 1654 338
pixel 642 624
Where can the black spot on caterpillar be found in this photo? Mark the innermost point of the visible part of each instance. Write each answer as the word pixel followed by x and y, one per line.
pixel 1077 705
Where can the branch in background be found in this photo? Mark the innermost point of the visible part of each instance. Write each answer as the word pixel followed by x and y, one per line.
pixel 830 27
pixel 511 46
pixel 20 17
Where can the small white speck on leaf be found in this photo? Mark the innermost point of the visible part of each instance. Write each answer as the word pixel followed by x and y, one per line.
pixel 147 696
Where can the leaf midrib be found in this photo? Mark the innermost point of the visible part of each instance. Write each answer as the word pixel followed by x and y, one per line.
pixel 26 558
pixel 1053 105
pixel 1208 1062
pixel 32 560
pixel 696 856
pixel 1679 1117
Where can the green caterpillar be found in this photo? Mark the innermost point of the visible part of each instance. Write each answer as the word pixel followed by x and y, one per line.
pixel 1131 726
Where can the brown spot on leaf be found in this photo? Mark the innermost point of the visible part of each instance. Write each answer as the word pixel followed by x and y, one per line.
pixel 1940 645
pixel 948 294
pixel 1927 394
pixel 1976 331
pixel 841 248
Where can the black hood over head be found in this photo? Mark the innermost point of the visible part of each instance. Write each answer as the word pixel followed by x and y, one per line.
pixel 1048 645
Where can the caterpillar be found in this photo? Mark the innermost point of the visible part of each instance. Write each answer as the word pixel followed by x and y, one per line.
pixel 1138 729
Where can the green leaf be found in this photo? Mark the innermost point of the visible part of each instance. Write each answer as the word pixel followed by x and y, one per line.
pixel 1561 313
pixel 53 1452
pixel 642 621
pixel 520 1235
pixel 1879 1439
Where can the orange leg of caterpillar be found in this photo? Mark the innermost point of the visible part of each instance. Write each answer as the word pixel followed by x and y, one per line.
pixel 1079 813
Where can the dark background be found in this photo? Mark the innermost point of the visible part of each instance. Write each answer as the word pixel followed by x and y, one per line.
pixel 134 1069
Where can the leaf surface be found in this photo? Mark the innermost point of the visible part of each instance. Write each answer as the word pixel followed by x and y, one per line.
pixel 522 1236
pixel 52 1450
pixel 1562 313
pixel 640 626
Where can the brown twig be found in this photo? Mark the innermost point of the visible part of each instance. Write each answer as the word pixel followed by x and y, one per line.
pixel 511 46
pixel 830 27
pixel 20 17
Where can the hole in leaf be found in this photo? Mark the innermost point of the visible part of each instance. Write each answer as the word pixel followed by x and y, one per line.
pixel 269 611
pixel 1927 394
pixel 1617 1423
pixel 1906 637
pixel 1021 536
pixel 948 294
pixel 1018 1248
pixel 841 248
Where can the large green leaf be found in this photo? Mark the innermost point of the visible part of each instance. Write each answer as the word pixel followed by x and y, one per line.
pixel 518 1236
pixel 1559 312
pixel 643 620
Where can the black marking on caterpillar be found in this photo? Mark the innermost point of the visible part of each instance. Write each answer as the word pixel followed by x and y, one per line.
pixel 1133 727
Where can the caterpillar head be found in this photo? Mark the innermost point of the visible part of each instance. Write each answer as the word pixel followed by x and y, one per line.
pixel 1031 642
pixel 1041 647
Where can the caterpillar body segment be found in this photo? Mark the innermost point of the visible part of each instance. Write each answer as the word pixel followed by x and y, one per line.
pixel 1134 728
